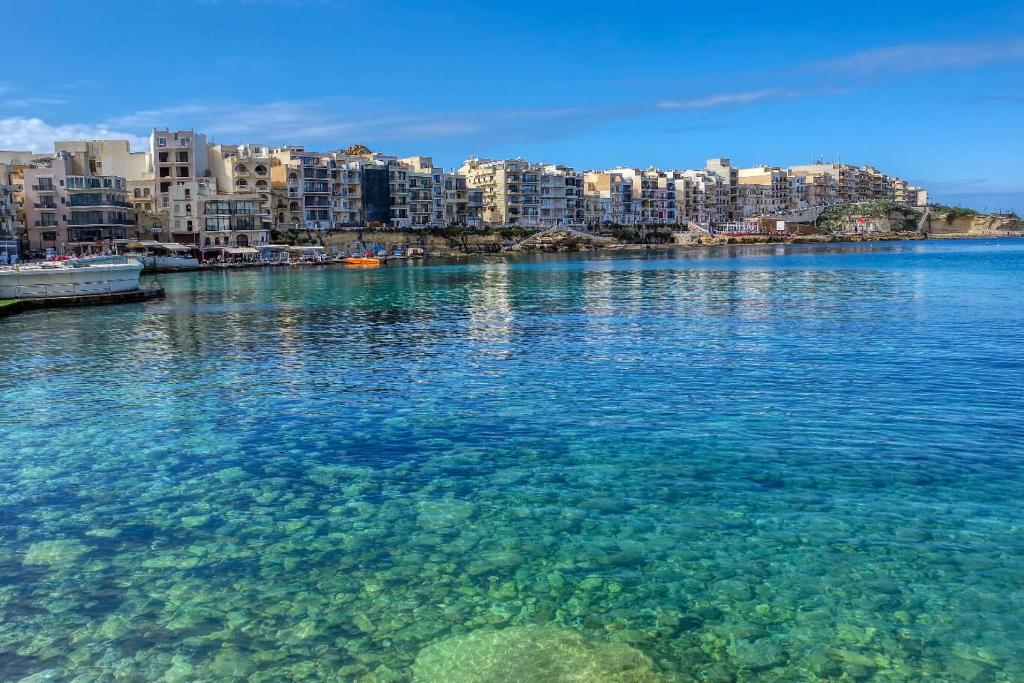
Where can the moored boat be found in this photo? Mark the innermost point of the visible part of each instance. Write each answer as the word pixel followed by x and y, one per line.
pixel 362 261
pixel 69 278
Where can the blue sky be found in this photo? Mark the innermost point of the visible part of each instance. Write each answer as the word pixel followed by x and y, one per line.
pixel 931 91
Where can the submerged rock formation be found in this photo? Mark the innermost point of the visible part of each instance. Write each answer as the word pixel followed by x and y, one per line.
pixel 538 654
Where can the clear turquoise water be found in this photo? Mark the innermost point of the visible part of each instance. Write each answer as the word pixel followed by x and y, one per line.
pixel 782 463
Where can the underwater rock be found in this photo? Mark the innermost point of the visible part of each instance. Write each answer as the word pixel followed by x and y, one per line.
pixel 758 654
pixel 61 553
pixel 230 664
pixel 539 654
pixel 194 521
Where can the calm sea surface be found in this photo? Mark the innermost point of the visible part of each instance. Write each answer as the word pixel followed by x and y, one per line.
pixel 752 464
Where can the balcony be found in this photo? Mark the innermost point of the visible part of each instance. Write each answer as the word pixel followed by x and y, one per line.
pixel 45 206
pixel 40 188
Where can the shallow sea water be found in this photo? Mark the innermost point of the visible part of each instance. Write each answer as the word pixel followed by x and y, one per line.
pixel 752 464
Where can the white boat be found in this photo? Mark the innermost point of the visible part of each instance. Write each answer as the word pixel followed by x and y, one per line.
pixel 69 278
pixel 155 262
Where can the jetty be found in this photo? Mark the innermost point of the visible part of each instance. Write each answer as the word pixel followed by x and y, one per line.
pixel 10 307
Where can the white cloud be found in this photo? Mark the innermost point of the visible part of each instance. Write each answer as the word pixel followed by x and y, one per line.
pixel 914 57
pixel 36 135
pixel 27 102
pixel 729 99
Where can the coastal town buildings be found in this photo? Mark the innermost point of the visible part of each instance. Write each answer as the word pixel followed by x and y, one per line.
pixel 68 207
pixel 208 196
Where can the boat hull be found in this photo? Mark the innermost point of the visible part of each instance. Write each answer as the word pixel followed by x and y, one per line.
pixel 362 261
pixel 28 282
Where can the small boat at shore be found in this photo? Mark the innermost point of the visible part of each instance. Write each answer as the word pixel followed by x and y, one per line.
pixel 362 261
pixel 69 278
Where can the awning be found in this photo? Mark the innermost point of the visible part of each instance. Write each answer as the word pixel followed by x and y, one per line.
pixel 306 248
pixel 242 250
pixel 174 246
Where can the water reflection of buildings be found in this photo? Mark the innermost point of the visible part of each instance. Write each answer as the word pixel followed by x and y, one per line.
pixel 489 307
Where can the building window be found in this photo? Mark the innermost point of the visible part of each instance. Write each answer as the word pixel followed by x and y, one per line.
pixel 185 142
pixel 161 142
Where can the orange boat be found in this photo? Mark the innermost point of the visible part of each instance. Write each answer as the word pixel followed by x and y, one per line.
pixel 362 261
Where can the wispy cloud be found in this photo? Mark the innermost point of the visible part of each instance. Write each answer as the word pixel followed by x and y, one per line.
pixel 728 99
pixel 29 102
pixel 917 57
pixel 36 135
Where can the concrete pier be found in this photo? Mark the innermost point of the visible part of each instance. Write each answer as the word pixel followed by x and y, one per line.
pixel 12 306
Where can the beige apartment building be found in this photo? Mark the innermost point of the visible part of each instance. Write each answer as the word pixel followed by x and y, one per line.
pixel 114 157
pixel 10 188
pixel 518 192
pixel 179 157
pixel 242 169
pixel 70 209
pixel 507 188
pixel 764 191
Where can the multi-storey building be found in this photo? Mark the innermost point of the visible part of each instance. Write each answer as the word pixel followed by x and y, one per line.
pixel 184 217
pixel 114 157
pixel 653 195
pixel 907 194
pixel 474 205
pixel 820 189
pixel 10 187
pixel 302 181
pixel 503 185
pixel 203 217
pixel 425 188
pixel 561 196
pixel 729 176
pixel 242 169
pixel 70 209
pixel 178 157
pixel 456 195
pixel 704 197
pixel 614 193
pixel 363 189
pixel 10 224
pixel 235 220
pixel 764 190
